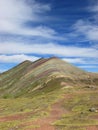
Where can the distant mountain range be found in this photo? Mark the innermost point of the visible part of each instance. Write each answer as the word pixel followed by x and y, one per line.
pixel 42 76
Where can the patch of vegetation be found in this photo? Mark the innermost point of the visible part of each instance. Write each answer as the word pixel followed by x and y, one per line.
pixel 79 115
pixel 70 128
pixel 11 125
pixel 30 108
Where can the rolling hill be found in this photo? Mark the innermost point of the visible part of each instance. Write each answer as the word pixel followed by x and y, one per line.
pixel 48 94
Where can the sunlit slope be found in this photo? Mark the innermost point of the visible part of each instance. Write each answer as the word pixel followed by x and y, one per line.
pixel 43 75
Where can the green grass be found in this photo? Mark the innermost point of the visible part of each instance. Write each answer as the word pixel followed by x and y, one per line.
pixel 9 125
pixel 78 105
pixel 40 105
pixel 79 115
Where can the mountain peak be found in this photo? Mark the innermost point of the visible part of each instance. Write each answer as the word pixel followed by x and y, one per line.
pixel 32 76
pixel 27 61
pixel 54 57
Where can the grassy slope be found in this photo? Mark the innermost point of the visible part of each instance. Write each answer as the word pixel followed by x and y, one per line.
pixel 37 88
pixel 79 117
pixel 28 77
pixel 17 112
pixel 9 78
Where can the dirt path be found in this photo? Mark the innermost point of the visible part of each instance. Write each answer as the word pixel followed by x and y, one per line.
pixel 46 123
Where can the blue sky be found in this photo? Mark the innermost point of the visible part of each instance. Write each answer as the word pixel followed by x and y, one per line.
pixel 31 29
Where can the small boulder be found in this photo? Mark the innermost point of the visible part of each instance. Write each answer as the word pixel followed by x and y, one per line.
pixel 93 109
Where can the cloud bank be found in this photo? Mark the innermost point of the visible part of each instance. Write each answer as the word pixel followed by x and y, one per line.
pixel 14 14
pixel 16 58
pixel 49 48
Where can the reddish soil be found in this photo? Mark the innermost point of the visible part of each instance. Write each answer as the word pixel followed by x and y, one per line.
pixel 16 116
pixel 45 73
pixel 92 128
pixel 46 123
pixel 37 64
pixel 95 117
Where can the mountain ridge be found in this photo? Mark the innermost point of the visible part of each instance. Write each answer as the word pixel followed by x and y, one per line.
pixel 29 77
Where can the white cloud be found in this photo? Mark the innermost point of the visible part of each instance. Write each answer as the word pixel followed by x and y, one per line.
pixel 88 66
pixel 74 60
pixel 21 10
pixel 49 48
pixel 87 29
pixel 16 58
pixel 15 13
pixel 82 60
pixel 94 8
pixel 41 31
